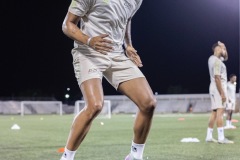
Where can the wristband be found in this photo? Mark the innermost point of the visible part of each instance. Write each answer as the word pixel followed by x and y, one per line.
pixel 88 41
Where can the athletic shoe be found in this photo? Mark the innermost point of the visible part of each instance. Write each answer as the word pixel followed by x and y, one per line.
pixel 225 141
pixel 63 158
pixel 227 127
pixel 211 140
pixel 130 157
pixel 233 127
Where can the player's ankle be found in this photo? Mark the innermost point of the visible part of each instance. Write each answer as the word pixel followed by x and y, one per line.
pixel 220 133
pixel 68 155
pixel 137 150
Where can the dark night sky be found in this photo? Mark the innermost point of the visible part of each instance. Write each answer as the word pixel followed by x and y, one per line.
pixel 173 37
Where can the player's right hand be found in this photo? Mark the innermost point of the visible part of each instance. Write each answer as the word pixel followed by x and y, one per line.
pixel 100 44
pixel 223 98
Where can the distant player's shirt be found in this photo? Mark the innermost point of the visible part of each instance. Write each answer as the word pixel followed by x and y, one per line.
pixel 231 90
pixel 217 67
pixel 105 17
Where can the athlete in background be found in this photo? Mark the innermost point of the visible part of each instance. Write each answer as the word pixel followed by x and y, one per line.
pixel 231 92
pixel 218 92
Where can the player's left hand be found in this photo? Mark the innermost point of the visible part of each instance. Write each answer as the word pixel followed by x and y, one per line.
pixel 222 45
pixel 132 54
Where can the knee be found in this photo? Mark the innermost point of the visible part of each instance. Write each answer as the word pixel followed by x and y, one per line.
pixel 93 109
pixel 148 105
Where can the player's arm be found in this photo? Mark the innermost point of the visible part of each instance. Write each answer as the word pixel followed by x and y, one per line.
pixel 217 76
pixel 219 87
pixel 130 51
pixel 71 30
pixel 128 39
pixel 228 93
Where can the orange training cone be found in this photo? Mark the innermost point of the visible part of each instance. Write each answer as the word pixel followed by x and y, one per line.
pixel 234 120
pixel 181 119
pixel 60 150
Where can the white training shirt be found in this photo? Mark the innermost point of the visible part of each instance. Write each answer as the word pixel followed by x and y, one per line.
pixel 105 17
pixel 217 67
pixel 231 90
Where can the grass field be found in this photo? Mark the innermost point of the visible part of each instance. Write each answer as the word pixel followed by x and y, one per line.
pixel 41 136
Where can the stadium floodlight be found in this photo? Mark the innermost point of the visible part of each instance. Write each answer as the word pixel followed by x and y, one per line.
pixel 67 96
pixel 105 113
pixel 41 107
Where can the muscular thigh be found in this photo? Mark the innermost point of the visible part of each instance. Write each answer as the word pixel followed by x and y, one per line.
pixel 92 91
pixel 138 90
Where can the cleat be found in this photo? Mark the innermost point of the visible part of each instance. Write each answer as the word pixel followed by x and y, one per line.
pixel 130 157
pixel 63 158
pixel 211 140
pixel 227 127
pixel 225 141
pixel 232 127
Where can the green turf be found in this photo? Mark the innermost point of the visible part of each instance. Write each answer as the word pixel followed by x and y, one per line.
pixel 40 139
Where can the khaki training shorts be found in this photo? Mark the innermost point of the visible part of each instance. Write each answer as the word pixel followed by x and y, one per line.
pixel 115 68
pixel 216 101
pixel 231 106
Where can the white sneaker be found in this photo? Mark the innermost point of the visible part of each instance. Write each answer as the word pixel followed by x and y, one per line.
pixel 233 127
pixel 211 140
pixel 130 157
pixel 227 127
pixel 225 141
pixel 63 158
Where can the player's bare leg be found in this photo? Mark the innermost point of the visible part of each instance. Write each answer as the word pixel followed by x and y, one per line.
pixel 212 119
pixel 221 137
pixel 229 120
pixel 219 119
pixel 139 91
pixel 228 115
pixel 211 123
pixel 93 95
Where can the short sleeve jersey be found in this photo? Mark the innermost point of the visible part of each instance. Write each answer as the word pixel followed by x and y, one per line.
pixel 105 17
pixel 217 67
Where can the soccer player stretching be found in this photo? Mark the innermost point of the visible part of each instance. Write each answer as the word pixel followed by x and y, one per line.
pixel 218 91
pixel 105 25
pixel 231 91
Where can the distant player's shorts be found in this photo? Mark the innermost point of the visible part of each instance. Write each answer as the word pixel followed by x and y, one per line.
pixel 216 99
pixel 231 106
pixel 115 68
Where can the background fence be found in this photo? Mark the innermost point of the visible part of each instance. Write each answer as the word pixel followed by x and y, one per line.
pixel 195 103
